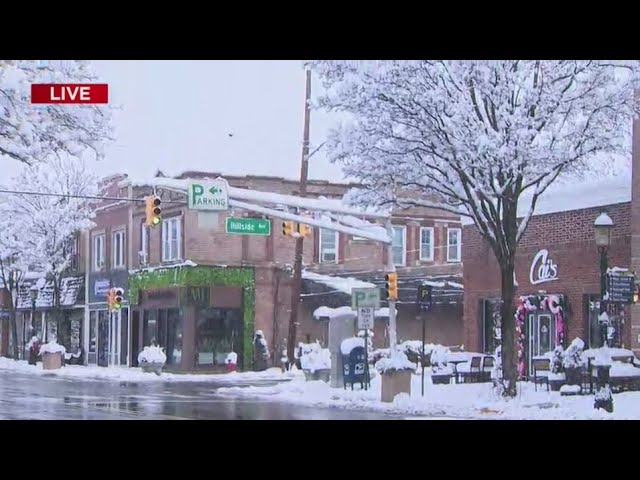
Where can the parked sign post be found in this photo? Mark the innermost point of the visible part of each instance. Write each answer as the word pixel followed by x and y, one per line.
pixel 365 297
pixel 211 195
pixel 366 318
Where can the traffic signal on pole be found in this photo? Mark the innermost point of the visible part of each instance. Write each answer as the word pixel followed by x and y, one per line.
pixel 392 286
pixel 288 228
pixel 118 296
pixel 304 230
pixel 152 210
pixel 111 298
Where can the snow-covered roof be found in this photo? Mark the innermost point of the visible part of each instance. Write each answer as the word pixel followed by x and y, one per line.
pixel 578 196
pixel 342 284
pixel 72 293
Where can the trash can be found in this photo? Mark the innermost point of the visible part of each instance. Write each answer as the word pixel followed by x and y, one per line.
pixel 354 365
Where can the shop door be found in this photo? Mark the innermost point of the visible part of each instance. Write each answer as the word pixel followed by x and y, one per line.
pixel 103 339
pixel 541 334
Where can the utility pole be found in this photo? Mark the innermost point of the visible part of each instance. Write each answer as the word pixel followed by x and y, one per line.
pixel 296 286
pixel 391 268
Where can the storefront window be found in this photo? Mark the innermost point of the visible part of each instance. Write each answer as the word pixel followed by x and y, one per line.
pixel 70 335
pixel 616 317
pixel 218 332
pixel 164 326
pixel 491 325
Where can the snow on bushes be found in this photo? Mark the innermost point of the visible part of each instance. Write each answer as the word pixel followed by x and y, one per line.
pixel 398 362
pixel 152 354
pixel 572 357
pixel 314 357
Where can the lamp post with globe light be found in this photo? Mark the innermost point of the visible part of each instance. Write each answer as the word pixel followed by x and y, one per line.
pixel 603 227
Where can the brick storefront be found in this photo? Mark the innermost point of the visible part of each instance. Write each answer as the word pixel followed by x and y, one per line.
pixel 568 237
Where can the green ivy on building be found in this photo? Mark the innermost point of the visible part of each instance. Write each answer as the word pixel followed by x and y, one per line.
pixel 200 276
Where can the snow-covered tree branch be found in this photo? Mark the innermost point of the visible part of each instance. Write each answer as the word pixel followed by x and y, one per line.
pixel 31 133
pixel 473 137
pixel 44 227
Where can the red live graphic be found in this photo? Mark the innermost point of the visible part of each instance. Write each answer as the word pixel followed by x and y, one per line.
pixel 70 93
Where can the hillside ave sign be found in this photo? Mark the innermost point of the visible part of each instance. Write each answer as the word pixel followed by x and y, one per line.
pixel 543 269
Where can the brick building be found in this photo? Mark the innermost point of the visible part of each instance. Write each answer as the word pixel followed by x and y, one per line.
pixel 427 248
pixel 200 292
pixel 560 239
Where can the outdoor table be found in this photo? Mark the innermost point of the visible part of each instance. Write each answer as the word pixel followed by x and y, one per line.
pixel 455 363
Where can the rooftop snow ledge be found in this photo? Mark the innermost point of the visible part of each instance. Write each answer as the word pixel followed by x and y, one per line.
pixel 186 263
pixel 578 196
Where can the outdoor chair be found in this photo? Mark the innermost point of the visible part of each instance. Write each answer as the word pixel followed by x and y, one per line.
pixel 541 372
pixel 471 370
pixel 487 365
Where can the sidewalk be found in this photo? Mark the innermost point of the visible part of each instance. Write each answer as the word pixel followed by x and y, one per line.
pixel 462 401
pixel 137 375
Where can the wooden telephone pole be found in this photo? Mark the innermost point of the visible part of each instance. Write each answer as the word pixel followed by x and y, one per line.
pixel 296 286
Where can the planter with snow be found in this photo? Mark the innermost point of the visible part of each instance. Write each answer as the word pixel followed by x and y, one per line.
pixel 152 359
pixel 51 354
pixel 396 375
pixel 315 362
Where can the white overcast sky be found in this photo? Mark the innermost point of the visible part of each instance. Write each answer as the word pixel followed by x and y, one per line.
pixel 177 115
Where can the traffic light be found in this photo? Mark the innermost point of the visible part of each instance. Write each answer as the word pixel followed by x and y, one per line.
pixel 118 294
pixel 304 230
pixel 288 228
pixel 111 298
pixel 153 210
pixel 392 286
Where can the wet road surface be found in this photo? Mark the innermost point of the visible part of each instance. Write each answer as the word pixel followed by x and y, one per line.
pixel 26 397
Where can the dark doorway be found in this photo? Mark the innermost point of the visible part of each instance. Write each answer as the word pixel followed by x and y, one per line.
pixel 135 337
pixel 103 340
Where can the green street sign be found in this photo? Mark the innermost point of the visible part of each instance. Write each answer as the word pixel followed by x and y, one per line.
pixel 248 226
pixel 210 195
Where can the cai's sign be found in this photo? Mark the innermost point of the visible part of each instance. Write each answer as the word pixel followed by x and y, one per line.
pixel 543 268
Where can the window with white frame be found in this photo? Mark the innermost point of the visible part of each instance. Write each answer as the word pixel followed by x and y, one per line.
pixel 454 244
pixel 399 246
pixel 426 244
pixel 328 246
pixel 117 249
pixel 143 254
pixel 98 252
pixel 171 237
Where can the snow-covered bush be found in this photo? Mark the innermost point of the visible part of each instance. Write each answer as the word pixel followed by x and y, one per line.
pixel 572 357
pixel 398 363
pixel 314 357
pixel 52 347
pixel 439 354
pixel 152 354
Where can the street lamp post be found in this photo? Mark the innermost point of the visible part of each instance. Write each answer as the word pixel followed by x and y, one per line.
pixel 603 226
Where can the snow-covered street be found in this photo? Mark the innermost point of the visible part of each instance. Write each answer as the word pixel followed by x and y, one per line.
pixel 137 375
pixel 462 401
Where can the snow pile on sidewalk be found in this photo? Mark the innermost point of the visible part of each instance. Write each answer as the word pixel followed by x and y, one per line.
pixel 152 354
pixel 473 401
pixel 398 362
pixel 52 347
pixel 137 375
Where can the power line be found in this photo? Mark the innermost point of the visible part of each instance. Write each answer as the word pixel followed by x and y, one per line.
pixel 84 197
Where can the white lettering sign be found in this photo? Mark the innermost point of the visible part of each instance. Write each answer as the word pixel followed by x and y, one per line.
pixel 543 269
